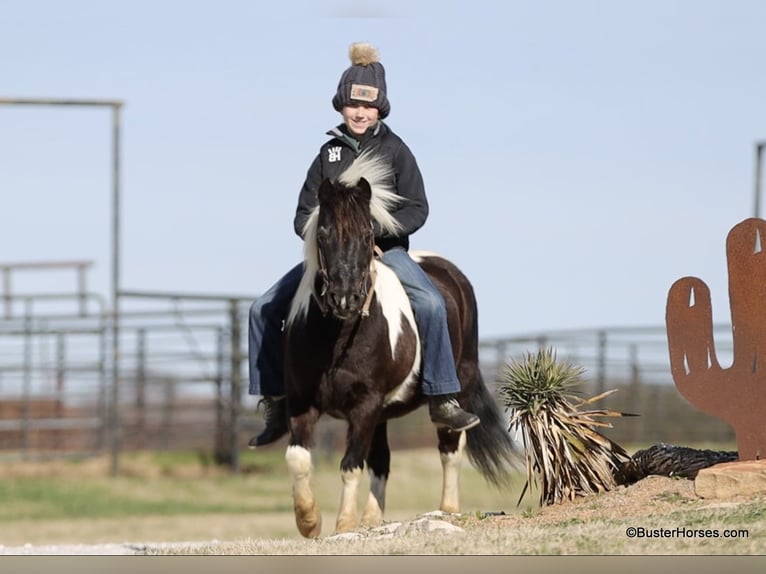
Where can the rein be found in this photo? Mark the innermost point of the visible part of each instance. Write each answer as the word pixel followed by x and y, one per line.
pixel 319 299
pixel 377 254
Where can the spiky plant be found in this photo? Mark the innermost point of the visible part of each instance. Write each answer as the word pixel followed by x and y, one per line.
pixel 565 455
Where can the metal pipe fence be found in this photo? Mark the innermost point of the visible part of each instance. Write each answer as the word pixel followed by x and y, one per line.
pixel 182 370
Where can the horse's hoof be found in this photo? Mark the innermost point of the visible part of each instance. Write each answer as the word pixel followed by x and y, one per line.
pixel 372 519
pixel 310 530
pixel 309 523
pixel 371 522
pixel 342 526
pixel 450 508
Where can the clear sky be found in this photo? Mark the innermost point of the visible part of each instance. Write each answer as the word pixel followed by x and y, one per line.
pixel 579 156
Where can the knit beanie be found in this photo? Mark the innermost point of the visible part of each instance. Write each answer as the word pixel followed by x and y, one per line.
pixel 364 82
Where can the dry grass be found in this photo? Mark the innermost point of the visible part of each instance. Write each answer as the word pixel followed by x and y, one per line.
pixel 593 525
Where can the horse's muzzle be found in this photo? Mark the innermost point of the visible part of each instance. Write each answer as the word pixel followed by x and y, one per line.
pixel 344 305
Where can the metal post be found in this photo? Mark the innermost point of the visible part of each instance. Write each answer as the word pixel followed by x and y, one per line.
pixel 634 389
pixel 221 447
pixel 26 383
pixel 102 406
pixel 82 289
pixel 116 106
pixel 141 388
pixel 236 383
pixel 601 363
pixel 758 156
pixel 60 377
pixel 7 291
pixel 116 429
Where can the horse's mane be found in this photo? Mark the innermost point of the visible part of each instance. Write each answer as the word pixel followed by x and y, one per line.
pixel 378 172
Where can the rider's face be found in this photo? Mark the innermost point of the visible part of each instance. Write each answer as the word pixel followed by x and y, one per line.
pixel 359 118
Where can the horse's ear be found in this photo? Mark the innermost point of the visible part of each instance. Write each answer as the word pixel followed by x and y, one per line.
pixel 364 187
pixel 324 190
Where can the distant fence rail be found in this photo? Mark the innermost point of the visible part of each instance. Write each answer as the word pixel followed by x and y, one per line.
pixel 182 374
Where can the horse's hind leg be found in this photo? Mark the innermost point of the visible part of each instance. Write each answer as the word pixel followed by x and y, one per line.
pixel 308 518
pixel 451 446
pixel 379 465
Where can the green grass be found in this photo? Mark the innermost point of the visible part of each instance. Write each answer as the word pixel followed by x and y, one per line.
pixel 162 484
pixel 152 484
pixel 40 499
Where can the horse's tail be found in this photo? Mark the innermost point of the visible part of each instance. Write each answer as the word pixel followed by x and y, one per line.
pixel 489 446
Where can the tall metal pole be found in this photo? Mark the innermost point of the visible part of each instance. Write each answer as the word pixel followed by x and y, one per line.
pixel 236 383
pixel 116 106
pixel 758 156
pixel 116 427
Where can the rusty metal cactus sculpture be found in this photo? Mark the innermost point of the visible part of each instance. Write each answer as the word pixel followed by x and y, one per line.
pixel 736 394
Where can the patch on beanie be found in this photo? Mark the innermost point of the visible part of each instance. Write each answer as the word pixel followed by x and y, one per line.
pixel 364 93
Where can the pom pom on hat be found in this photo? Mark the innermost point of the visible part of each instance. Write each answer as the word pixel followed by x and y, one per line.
pixel 362 54
pixel 364 82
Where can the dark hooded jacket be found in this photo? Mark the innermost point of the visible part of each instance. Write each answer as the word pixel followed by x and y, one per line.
pixel 339 152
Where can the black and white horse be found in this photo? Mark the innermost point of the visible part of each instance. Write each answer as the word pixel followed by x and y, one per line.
pixel 352 351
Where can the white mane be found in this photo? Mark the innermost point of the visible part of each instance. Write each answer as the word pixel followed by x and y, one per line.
pixel 379 174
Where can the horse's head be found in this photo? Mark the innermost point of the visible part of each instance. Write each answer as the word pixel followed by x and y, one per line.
pixel 345 242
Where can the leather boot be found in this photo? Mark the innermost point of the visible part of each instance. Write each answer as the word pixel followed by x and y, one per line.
pixel 445 411
pixel 276 421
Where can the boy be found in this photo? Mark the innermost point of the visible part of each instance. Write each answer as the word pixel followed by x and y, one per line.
pixel 362 102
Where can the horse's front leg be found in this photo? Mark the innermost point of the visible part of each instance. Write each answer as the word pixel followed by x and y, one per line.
pixel 451 446
pixel 379 465
pixel 308 518
pixel 361 427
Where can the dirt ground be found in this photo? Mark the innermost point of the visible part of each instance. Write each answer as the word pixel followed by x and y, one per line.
pixel 651 496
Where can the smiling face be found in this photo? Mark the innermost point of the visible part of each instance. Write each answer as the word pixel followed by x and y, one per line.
pixel 359 117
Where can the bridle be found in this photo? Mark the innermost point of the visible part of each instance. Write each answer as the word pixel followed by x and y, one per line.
pixel 371 275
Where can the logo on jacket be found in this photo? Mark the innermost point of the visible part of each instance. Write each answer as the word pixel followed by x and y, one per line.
pixel 334 154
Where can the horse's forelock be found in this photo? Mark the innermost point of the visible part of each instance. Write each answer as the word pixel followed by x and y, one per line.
pixel 345 211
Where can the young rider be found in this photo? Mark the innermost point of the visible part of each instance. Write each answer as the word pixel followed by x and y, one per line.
pixel 362 102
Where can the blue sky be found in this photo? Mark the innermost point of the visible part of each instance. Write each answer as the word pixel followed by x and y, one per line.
pixel 579 157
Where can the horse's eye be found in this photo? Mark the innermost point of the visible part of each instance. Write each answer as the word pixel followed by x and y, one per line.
pixel 322 233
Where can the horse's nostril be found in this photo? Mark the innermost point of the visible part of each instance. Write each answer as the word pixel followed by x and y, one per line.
pixel 338 300
pixel 344 303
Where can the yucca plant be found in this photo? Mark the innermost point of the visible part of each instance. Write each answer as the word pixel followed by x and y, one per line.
pixel 565 455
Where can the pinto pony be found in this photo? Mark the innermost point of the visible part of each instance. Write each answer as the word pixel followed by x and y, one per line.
pixel 352 351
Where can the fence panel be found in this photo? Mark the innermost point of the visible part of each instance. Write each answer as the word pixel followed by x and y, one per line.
pixel 183 372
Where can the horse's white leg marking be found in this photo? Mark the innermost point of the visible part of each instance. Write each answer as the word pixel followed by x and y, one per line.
pixel 451 478
pixel 376 502
pixel 347 513
pixel 307 515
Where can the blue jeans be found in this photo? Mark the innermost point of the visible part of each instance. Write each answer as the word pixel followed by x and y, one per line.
pixel 269 310
pixel 265 335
